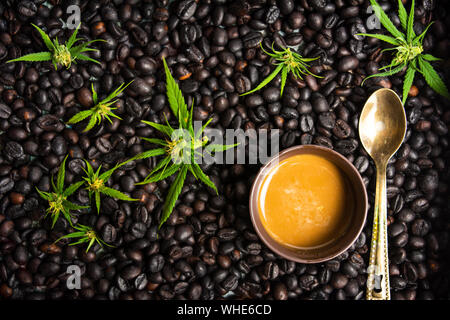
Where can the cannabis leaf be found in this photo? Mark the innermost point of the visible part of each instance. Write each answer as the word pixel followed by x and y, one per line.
pixel 100 110
pixel 57 200
pixel 172 196
pixel 176 100
pixel 409 51
pixel 96 184
pixel 63 54
pixel 286 61
pixel 432 78
pixel 86 235
pixel 180 148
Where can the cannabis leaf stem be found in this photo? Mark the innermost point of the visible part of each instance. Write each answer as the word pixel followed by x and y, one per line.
pixel 286 61
pixel 100 110
pixel 409 51
pixel 57 200
pixel 86 235
pixel 63 54
pixel 179 148
pixel 96 184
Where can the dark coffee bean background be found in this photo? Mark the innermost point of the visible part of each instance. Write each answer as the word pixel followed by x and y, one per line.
pixel 208 248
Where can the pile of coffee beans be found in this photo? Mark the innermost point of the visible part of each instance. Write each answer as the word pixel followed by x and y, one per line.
pixel 208 248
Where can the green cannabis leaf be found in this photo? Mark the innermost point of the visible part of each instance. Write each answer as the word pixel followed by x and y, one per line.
pixel 286 61
pixel 96 184
pixel 100 110
pixel 180 148
pixel 57 200
pixel 63 54
pixel 409 51
pixel 86 235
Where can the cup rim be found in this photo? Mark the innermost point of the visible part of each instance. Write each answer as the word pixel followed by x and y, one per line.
pixel 254 212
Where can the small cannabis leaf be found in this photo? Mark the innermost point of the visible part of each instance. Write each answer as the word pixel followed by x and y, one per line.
pixel 86 235
pixel 409 51
pixel 100 110
pixel 63 54
pixel 180 148
pixel 57 200
pixel 286 61
pixel 96 184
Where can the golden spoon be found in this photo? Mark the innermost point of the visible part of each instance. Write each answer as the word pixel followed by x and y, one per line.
pixel 382 127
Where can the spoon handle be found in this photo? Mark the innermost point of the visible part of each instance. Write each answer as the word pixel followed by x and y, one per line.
pixel 378 273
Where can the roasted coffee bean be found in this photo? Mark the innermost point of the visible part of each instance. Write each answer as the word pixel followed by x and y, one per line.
pixel 348 63
pixel 130 272
pixel 146 65
pixel 230 283
pixel 294 39
pixel 183 232
pixel 20 255
pixel 420 204
pixel 5 111
pixel 220 37
pixel 156 263
pixel 320 104
pixel 349 270
pixel 186 9
pixel 138 229
pixel 324 276
pixel 409 272
pixel 139 35
pixel 306 123
pixel 13 150
pixel 362 164
pixel 94 271
pixel 339 281
pixel 226 234
pixel 59 146
pixel 27 8
pixel 6 228
pixel 49 268
pixel 395 229
pixel 6 184
pixel 307 282
pixel 429 182
pixel 271 270
pixel 401 240
pixel 252 39
pixel 327 120
pixel 288 139
pixel 280 291
pixel 406 215
pixel 341 129
pixel 49 123
pixel 420 227
pixel 271 94
pixel 194 54
pixel 331 21
pixel 109 233
pixel 272 14
pixel 346 146
pixel 133 107
pixel 398 283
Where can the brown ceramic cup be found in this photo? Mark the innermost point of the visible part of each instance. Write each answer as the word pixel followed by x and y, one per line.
pixel 358 217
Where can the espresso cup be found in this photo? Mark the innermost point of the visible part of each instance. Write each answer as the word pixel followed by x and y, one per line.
pixel 330 249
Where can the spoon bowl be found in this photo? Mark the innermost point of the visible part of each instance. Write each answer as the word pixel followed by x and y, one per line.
pixel 382 125
pixel 382 128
